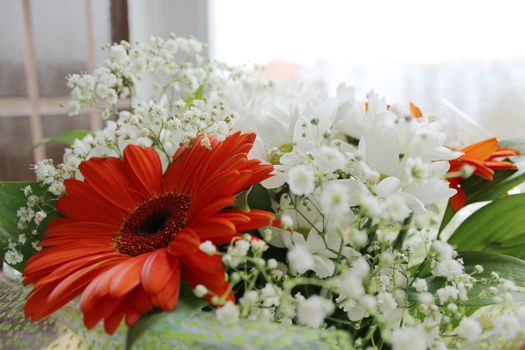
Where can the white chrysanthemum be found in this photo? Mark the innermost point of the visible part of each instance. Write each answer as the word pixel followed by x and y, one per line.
pixel 335 200
pixel 301 180
pixel 313 311
pixel 228 314
pixel 469 329
pixel 396 208
pixel 329 159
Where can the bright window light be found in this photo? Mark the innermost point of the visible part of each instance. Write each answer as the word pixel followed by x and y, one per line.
pixel 378 31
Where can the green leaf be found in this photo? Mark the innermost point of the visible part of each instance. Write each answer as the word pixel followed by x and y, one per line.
pixel 498 227
pixel 198 94
pixel 259 198
pixel 187 327
pixel 241 201
pixel 479 190
pixel 508 267
pixel 67 137
pixel 11 199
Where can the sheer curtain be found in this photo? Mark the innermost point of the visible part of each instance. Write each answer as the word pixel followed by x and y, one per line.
pixel 460 60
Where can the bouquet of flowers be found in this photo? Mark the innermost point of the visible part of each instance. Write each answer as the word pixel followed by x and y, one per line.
pixel 217 208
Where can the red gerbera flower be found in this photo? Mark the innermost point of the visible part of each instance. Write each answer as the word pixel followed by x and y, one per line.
pixel 130 233
pixel 482 157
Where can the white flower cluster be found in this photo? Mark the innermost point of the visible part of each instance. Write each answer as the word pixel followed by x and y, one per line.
pixel 30 218
pixel 118 75
pixel 186 102
pixel 357 187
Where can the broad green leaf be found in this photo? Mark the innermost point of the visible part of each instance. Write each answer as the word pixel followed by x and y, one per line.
pixel 498 227
pixel 506 266
pixel 67 137
pixel 259 198
pixel 479 190
pixel 11 199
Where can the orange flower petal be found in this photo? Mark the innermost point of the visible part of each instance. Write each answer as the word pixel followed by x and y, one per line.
pixel 481 150
pixel 145 164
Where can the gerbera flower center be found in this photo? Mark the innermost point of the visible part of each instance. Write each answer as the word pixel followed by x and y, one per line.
pixel 153 224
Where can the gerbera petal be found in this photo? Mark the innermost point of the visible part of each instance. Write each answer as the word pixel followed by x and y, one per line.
pixel 500 165
pixel 105 307
pixel 49 258
pixel 258 218
pixel 168 296
pixel 146 167
pixel 70 267
pixel 72 228
pixel 215 228
pixel 199 212
pixel 481 150
pixel 481 170
pixel 237 217
pixel 113 320
pixel 185 242
pixel 107 176
pixel 158 269
pixel 505 152
pixel 84 204
pixel 200 268
pixel 458 200
pixel 115 247
pixel 77 280
pixel 126 275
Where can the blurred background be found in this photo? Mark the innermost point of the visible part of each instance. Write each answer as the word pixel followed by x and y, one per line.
pixel 452 58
